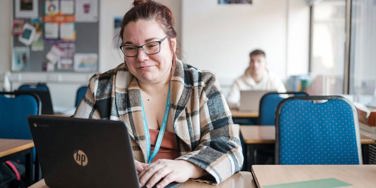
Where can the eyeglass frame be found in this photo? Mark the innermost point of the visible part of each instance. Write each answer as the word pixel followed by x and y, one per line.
pixel 142 47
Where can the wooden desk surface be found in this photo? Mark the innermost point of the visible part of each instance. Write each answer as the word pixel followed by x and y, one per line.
pixel 239 180
pixel 11 146
pixel 257 134
pixel 356 175
pixel 240 114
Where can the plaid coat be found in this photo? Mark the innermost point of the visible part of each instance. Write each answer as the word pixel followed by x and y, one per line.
pixel 201 118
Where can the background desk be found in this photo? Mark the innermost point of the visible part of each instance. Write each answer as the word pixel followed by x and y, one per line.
pixel 356 175
pixel 13 149
pixel 240 114
pixel 244 118
pixel 239 180
pixel 257 136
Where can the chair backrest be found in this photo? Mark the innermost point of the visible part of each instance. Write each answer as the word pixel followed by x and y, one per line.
pixel 43 92
pixel 317 130
pixel 34 86
pixel 80 94
pixel 15 108
pixel 269 103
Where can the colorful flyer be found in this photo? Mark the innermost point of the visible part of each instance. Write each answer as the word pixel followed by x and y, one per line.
pixel 51 7
pixel 85 62
pixel 67 32
pixel 21 57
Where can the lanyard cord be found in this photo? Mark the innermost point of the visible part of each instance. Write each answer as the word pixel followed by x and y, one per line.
pixel 150 156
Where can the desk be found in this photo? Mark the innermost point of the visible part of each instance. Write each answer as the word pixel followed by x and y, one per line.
pixel 240 114
pixel 12 148
pixel 239 180
pixel 257 136
pixel 244 118
pixel 356 175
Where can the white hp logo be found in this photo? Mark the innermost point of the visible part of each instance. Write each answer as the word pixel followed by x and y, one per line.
pixel 80 157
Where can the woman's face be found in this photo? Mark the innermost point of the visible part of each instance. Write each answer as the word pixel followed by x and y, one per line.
pixel 154 68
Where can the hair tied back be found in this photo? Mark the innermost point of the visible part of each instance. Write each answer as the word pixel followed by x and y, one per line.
pixel 140 2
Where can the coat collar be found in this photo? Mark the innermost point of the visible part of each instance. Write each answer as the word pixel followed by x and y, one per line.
pixel 127 92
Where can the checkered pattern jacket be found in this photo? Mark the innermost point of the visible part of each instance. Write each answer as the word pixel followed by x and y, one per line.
pixel 199 115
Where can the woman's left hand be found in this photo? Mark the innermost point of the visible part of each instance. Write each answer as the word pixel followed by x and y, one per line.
pixel 166 171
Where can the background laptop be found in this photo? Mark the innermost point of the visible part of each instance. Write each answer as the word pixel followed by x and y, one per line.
pixel 83 153
pixel 250 100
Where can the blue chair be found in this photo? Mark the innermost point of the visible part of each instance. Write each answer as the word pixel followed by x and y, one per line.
pixel 43 92
pixel 317 130
pixel 269 103
pixel 32 87
pixel 80 94
pixel 15 107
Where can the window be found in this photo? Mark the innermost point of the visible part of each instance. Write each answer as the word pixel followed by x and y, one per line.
pixel 328 47
pixel 363 52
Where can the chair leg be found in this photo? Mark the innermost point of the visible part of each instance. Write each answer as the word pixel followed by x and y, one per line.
pixel 28 168
pixel 37 169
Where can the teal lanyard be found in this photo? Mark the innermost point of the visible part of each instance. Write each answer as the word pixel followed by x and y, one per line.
pixel 151 156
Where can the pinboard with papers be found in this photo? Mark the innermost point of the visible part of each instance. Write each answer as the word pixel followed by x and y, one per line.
pixel 55 36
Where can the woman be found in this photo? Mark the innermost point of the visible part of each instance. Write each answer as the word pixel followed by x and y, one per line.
pixel 255 77
pixel 160 98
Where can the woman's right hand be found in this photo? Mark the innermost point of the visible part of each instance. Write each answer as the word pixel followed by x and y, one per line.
pixel 140 166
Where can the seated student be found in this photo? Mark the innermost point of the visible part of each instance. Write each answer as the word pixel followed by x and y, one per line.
pixel 159 97
pixel 255 77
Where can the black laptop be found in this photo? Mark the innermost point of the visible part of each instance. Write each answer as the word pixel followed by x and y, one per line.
pixel 83 152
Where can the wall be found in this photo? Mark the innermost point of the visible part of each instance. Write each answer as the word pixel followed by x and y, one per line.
pixel 212 37
pixel 63 85
pixel 220 37
pixel 109 55
pixel 297 37
pixel 5 31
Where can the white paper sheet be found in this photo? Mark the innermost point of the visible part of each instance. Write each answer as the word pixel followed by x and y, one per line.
pixel 67 32
pixel 54 54
pixel 51 30
pixel 67 7
pixel 86 10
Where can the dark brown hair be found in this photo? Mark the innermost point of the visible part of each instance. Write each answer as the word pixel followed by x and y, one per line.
pixel 148 9
pixel 257 52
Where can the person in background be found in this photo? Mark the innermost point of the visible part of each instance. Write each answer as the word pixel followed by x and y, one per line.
pixel 179 124
pixel 255 77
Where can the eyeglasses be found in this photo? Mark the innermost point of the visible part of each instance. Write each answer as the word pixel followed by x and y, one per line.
pixel 150 48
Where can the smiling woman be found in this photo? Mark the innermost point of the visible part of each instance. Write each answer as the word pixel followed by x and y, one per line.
pixel 179 123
